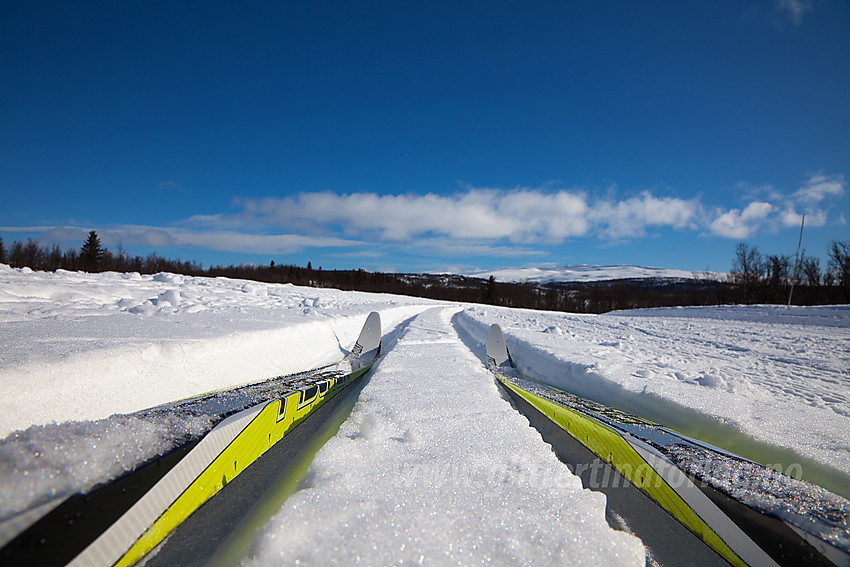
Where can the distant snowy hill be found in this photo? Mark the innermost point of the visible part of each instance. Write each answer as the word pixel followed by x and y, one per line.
pixel 581 273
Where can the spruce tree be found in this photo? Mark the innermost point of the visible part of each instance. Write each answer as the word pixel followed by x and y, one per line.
pixel 2 252
pixel 91 252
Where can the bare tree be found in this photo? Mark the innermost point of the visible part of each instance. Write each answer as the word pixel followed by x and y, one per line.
pixel 811 270
pixel 839 264
pixel 778 270
pixel 748 265
pixel 747 271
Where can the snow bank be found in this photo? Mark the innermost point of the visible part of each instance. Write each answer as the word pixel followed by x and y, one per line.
pixel 76 346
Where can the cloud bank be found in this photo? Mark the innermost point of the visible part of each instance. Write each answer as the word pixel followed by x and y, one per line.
pixel 472 222
pixel 519 216
pixel 528 216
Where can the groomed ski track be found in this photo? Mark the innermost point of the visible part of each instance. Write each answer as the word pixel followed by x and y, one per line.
pixel 465 479
pixel 162 349
pixel 428 427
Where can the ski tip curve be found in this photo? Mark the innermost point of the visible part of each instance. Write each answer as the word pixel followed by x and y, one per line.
pixel 497 348
pixel 369 342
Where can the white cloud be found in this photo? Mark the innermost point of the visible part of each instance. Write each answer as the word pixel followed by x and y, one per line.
pixel 810 199
pixel 820 187
pixel 219 222
pixel 764 192
pixel 474 214
pixel 520 215
pixel 785 211
pixel 739 224
pixel 447 246
pixel 488 217
pixel 791 218
pixel 540 216
pixel 126 235
pixel 631 217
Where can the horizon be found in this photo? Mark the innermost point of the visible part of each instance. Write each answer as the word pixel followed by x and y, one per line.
pixel 437 137
pixel 482 273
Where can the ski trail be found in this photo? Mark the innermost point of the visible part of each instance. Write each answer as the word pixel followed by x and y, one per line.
pixel 434 466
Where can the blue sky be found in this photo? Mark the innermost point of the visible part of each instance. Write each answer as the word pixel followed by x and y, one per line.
pixel 427 135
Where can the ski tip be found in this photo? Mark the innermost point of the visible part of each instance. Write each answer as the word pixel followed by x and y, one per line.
pixel 497 348
pixel 368 344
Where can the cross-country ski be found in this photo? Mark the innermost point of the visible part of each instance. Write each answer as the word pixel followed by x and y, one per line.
pixel 786 521
pixel 247 421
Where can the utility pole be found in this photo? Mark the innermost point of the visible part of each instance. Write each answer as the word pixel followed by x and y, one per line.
pixel 797 260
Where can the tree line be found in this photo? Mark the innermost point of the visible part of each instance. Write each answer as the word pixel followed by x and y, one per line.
pixel 774 278
pixel 90 257
pixel 754 278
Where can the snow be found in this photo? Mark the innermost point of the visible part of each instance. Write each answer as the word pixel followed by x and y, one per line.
pixel 433 462
pixel 774 377
pixel 585 273
pixel 133 341
pixel 433 466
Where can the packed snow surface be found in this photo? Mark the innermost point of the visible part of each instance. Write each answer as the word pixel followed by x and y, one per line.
pixel 82 354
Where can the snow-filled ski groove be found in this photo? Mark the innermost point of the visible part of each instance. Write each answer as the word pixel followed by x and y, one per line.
pixel 660 462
